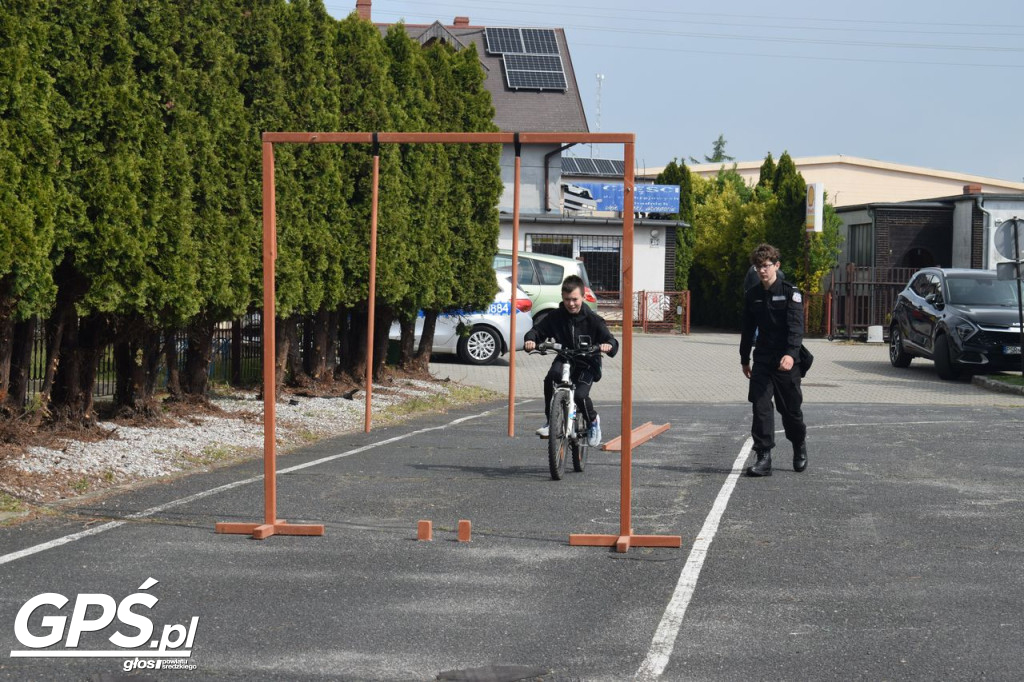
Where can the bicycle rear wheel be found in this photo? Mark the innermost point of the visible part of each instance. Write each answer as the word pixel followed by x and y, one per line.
pixel 558 439
pixel 579 445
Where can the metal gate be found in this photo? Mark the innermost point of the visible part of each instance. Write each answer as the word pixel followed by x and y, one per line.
pixel 864 296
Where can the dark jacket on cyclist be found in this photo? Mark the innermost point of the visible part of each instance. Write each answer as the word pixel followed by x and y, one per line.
pixel 568 330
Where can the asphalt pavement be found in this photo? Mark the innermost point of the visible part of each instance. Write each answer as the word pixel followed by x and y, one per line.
pixel 895 556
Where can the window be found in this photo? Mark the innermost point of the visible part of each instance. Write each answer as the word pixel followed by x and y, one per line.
pixel 600 254
pixel 550 273
pixel 860 251
pixel 526 273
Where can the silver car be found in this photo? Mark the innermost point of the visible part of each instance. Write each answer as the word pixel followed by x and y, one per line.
pixel 480 338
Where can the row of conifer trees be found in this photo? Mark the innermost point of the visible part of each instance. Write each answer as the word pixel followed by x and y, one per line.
pixel 130 189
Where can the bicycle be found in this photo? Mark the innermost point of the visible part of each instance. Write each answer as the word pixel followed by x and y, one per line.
pixel 568 428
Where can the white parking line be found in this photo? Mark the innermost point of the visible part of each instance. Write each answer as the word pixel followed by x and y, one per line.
pixel 665 636
pixel 13 556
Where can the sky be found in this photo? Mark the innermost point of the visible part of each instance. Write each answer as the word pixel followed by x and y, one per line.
pixel 915 82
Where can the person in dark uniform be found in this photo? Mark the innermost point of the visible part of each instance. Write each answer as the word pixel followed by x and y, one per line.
pixel 571 324
pixel 773 310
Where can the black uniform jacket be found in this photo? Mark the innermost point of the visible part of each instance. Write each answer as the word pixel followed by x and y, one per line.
pixel 567 329
pixel 777 313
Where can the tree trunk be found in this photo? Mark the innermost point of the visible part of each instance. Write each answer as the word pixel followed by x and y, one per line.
pixel 71 287
pixel 136 358
pixel 281 341
pixel 54 339
pixel 7 305
pixel 319 341
pixel 381 330
pixel 93 335
pixel 331 349
pixel 352 346
pixel 406 342
pixel 6 352
pixel 66 396
pixel 171 360
pixel 421 361
pixel 21 364
pixel 198 354
pixel 296 373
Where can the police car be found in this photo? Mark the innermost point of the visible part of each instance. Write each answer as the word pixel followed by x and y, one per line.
pixel 480 337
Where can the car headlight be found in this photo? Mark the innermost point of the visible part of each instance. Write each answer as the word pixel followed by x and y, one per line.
pixel 965 330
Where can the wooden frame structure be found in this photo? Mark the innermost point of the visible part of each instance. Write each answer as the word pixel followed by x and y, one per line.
pixel 271 525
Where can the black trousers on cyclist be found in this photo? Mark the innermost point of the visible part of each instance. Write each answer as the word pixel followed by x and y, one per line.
pixel 584 380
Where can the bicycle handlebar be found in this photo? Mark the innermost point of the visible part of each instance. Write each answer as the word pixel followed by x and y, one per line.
pixel 568 353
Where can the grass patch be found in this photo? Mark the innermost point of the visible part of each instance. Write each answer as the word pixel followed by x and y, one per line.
pixel 1012 379
pixel 210 455
pixel 10 504
pixel 439 402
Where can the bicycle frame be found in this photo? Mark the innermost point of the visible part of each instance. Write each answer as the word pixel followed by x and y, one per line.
pixel 565 391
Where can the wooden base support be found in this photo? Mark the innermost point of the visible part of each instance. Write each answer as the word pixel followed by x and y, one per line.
pixel 261 531
pixel 641 434
pixel 622 543
pixel 425 530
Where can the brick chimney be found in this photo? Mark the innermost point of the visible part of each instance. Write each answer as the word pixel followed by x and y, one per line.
pixel 461 21
pixel 363 7
pixel 972 189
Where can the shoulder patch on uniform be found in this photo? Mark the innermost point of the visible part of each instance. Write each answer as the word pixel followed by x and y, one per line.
pixel 796 297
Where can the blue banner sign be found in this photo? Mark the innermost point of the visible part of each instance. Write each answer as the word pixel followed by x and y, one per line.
pixel 647 198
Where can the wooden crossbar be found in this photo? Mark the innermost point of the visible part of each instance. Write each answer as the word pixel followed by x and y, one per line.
pixel 641 434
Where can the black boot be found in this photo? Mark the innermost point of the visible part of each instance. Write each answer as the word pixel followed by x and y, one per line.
pixel 763 465
pixel 799 456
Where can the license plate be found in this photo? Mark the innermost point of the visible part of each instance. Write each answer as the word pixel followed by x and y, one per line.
pixel 1011 350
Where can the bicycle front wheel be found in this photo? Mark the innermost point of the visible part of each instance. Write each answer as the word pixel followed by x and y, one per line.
pixel 558 439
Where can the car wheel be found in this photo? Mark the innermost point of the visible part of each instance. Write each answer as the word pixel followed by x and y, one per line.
pixel 943 362
pixel 538 317
pixel 481 347
pixel 897 356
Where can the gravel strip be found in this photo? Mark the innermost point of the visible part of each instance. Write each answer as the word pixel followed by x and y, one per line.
pixel 131 452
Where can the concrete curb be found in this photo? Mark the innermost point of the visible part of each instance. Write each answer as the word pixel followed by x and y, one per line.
pixel 996 385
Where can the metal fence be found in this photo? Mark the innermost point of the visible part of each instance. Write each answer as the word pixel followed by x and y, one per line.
pixel 235 358
pixel 863 297
pixel 653 311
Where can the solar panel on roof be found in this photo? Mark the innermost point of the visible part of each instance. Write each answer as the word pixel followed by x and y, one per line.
pixel 539 41
pixel 607 167
pixel 537 71
pixel 569 166
pixel 587 166
pixel 533 62
pixel 503 40
pixel 536 80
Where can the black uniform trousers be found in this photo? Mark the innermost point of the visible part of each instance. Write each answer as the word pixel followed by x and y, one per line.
pixel 584 380
pixel 768 383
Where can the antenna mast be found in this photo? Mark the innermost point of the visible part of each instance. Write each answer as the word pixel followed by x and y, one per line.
pixel 600 82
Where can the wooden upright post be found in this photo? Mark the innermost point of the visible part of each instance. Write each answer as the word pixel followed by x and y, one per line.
pixel 625 539
pixel 271 524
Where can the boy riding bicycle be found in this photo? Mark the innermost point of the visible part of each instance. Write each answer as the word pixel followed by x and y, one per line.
pixel 573 325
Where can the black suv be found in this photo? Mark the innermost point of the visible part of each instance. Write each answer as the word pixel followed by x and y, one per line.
pixel 961 319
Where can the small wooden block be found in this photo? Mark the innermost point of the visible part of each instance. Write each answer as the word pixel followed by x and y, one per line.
pixel 465 530
pixel 425 530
